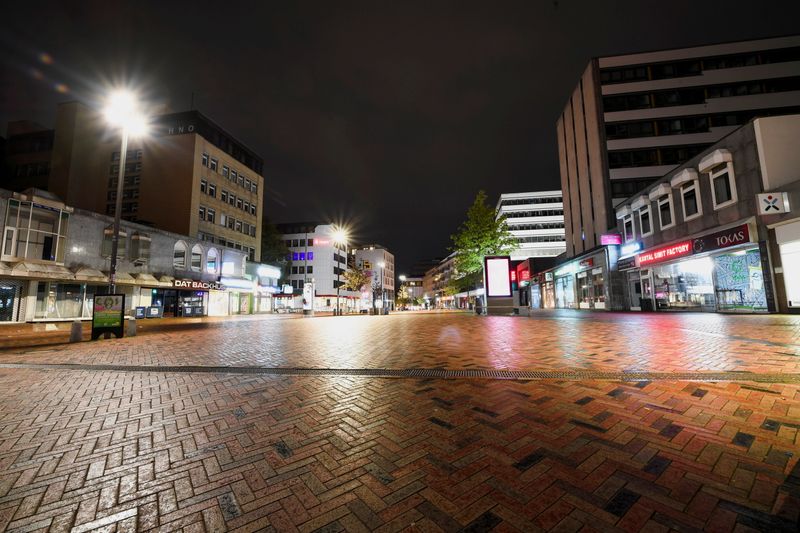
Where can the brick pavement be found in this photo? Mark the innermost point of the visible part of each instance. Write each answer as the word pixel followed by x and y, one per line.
pixel 123 451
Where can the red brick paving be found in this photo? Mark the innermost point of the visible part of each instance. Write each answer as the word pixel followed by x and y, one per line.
pixel 124 451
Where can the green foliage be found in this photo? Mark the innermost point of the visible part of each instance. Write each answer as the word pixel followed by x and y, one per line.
pixel 274 250
pixel 355 279
pixel 480 235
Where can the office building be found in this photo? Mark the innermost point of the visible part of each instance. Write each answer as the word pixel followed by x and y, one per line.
pixel 379 263
pixel 632 118
pixel 317 258
pixel 26 156
pixel 187 176
pixel 536 220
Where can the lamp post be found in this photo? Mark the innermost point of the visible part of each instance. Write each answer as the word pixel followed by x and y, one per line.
pixel 382 264
pixel 122 111
pixel 339 237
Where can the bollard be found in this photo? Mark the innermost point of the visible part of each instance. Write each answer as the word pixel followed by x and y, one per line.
pixel 76 333
pixel 131 331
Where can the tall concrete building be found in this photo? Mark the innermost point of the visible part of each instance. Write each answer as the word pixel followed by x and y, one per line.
pixel 26 156
pixel 632 118
pixel 536 220
pixel 187 176
pixel 379 262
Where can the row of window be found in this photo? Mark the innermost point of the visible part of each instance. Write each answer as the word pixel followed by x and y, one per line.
pixel 128 208
pixel 542 238
pixel 694 67
pixel 140 245
pixel 526 201
pixel 723 193
pixel 228 197
pixel 130 181
pixel 696 95
pixel 683 125
pixel 541 225
pixel 127 194
pixel 129 167
pixel 537 213
pixel 208 214
pixel 645 157
pixel 303 269
pixel 301 256
pixel 251 252
pixel 627 188
pixel 229 173
pixel 129 155
pixel 195 259
pixel 28 170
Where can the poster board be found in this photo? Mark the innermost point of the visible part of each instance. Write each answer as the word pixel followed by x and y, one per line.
pixel 108 315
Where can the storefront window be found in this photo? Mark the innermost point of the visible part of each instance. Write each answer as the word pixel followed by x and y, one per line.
pixel 56 301
pixel 740 281
pixel 684 285
pixel 585 290
pixel 565 292
pixel 34 231
pixel 598 288
pixel 790 259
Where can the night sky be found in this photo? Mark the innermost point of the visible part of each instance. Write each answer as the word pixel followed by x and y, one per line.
pixel 386 116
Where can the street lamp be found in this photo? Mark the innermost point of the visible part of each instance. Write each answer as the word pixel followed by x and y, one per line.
pixel 382 264
pixel 339 237
pixel 122 111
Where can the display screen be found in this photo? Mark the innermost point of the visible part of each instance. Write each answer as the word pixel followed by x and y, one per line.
pixel 498 277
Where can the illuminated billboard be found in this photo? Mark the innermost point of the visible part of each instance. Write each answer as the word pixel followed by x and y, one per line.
pixel 498 275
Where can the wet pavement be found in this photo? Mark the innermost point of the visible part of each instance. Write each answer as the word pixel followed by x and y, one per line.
pixel 579 443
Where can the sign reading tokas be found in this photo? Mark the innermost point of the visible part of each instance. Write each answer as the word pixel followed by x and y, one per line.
pixel 198 285
pixel 722 239
pixel 665 254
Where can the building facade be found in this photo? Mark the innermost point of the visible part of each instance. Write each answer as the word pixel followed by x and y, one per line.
pixel 379 264
pixel 187 176
pixel 55 258
pixel 536 220
pixel 26 155
pixel 721 232
pixel 317 258
pixel 632 118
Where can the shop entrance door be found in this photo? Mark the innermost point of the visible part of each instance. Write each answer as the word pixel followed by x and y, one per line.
pixel 9 296
pixel 635 291
pixel 647 295
pixel 170 303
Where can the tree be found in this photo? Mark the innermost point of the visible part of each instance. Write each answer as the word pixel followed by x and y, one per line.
pixel 403 297
pixel 480 235
pixel 355 279
pixel 273 248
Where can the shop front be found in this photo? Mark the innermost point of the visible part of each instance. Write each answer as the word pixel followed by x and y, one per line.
pixel 721 271
pixel 788 239
pixel 581 283
pixel 548 291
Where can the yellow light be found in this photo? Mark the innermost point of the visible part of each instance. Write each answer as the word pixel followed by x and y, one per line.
pixel 122 110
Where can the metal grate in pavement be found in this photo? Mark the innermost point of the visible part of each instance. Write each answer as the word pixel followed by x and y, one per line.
pixel 436 373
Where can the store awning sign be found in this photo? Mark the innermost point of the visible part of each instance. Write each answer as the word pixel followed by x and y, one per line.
pixel 610 239
pixel 666 253
pixel 773 203
pixel 722 239
pixel 197 285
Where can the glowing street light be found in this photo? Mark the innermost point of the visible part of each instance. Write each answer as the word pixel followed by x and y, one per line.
pixel 122 111
pixel 340 238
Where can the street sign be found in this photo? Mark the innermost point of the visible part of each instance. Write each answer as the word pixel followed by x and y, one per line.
pixel 773 203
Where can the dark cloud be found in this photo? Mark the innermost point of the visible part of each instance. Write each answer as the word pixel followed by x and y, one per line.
pixel 390 115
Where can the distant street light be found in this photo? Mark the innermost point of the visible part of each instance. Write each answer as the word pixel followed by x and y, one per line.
pixel 122 111
pixel 340 238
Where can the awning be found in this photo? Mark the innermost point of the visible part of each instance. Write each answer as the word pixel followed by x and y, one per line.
pixel 90 274
pixel 145 278
pixel 40 270
pixel 166 279
pixel 125 278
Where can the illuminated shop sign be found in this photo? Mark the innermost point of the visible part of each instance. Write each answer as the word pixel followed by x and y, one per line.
pixel 610 238
pixel 630 248
pixel 200 285
pixel 722 239
pixel 665 254
pixel 548 276
pixel 498 275
pixel 586 263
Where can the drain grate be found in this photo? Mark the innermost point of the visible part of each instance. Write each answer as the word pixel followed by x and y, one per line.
pixel 436 373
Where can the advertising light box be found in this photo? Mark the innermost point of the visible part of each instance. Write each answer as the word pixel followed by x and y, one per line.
pixel 498 275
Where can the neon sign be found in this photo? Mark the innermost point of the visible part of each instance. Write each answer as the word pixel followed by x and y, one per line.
pixel 665 254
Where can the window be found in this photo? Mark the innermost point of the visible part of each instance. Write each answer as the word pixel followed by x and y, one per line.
pixel 202 213
pixel 294 270
pixel 253 232
pixel 295 256
pixel 204 159
pixel 627 228
pixel 302 256
pixel 253 187
pixel 233 175
pixel 301 270
pixel 179 255
pixel 211 215
pixel 666 218
pixel 203 186
pixel 253 212
pixel 692 207
pixel 302 242
pixel 231 222
pixel 310 256
pixel 247 184
pixel 108 238
pixel 723 189
pixel 214 164
pixel 212 261
pixel 212 190
pixel 247 207
pixel 140 247
pixel 241 180
pixel 644 220
pixel 225 171
pixel 239 226
pixel 239 203
pixel 295 243
pixel 231 199
pixel 245 228
pixel 197 257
